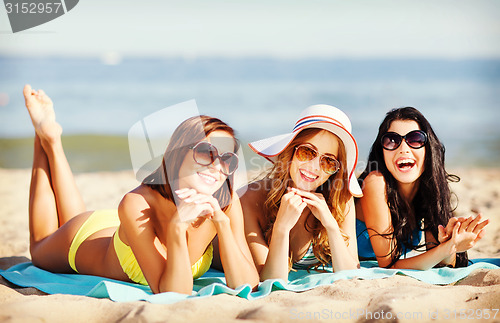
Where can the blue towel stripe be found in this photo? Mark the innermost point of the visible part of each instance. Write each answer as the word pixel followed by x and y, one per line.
pixel 214 283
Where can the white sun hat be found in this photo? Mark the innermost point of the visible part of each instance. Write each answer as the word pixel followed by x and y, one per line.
pixel 320 116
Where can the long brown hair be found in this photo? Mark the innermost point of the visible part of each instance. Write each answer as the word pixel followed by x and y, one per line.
pixel 184 137
pixel 335 191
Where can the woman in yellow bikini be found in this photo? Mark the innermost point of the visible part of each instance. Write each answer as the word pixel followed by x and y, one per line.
pixel 162 231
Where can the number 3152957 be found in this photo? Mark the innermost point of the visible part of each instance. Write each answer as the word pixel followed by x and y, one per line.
pixel 33 8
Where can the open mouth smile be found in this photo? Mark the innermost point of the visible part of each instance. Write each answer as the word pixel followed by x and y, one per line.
pixel 405 164
pixel 210 180
pixel 307 176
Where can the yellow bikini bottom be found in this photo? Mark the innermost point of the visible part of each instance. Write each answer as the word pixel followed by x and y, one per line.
pixel 103 219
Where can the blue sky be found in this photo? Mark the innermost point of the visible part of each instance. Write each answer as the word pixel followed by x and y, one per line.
pixel 452 29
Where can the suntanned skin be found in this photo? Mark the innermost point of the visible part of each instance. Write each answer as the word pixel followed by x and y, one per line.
pixel 150 224
pixel 460 234
pixel 289 234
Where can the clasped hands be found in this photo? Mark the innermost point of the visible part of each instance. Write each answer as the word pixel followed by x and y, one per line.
pixel 462 233
pixel 295 201
pixel 192 206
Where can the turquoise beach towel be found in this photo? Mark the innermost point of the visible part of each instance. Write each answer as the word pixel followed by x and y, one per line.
pixel 213 282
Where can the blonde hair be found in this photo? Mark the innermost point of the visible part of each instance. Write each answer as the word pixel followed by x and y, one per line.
pixel 335 191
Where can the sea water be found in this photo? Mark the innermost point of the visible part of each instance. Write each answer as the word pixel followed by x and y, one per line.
pixel 97 102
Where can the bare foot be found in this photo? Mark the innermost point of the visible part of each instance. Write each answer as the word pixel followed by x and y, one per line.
pixel 41 110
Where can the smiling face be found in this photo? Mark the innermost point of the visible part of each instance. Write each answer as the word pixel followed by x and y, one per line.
pixel 308 175
pixel 405 163
pixel 206 179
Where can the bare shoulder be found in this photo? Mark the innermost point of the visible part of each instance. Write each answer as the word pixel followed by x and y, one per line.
pixel 134 202
pixel 254 191
pixel 374 182
pixel 254 194
pixel 374 207
pixel 253 198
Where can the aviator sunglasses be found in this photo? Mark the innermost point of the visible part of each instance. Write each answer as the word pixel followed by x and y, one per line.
pixel 204 154
pixel 415 139
pixel 328 164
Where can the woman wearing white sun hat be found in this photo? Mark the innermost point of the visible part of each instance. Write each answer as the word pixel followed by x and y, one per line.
pixel 301 215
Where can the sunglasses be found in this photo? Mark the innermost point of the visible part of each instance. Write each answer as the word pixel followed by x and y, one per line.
pixel 415 139
pixel 306 153
pixel 204 154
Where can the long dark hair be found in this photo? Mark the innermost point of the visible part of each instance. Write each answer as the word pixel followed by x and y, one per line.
pixel 185 135
pixel 335 191
pixel 432 202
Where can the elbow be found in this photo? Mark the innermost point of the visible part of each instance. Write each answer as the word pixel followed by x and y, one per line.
pixel 357 265
pixel 186 291
pixel 349 267
pixel 264 276
pixel 254 279
pixel 347 264
pixel 253 282
pixel 387 262
pixel 261 276
pixel 180 286
pixel 154 289
pixel 387 265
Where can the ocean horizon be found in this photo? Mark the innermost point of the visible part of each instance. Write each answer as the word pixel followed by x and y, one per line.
pixel 97 101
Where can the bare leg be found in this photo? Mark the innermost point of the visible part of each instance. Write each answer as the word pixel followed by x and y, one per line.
pixel 56 208
pixel 66 195
pixel 49 244
pixel 43 220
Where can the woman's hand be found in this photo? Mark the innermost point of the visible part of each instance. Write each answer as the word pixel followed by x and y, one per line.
pixel 344 255
pixel 470 232
pixel 291 207
pixel 193 205
pixel 188 209
pixel 317 204
pixel 466 234
pixel 444 233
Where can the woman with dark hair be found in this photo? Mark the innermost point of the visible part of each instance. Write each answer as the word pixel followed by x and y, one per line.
pixel 406 197
pixel 301 215
pixel 162 231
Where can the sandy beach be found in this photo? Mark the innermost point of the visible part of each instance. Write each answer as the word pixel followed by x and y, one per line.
pixel 346 301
